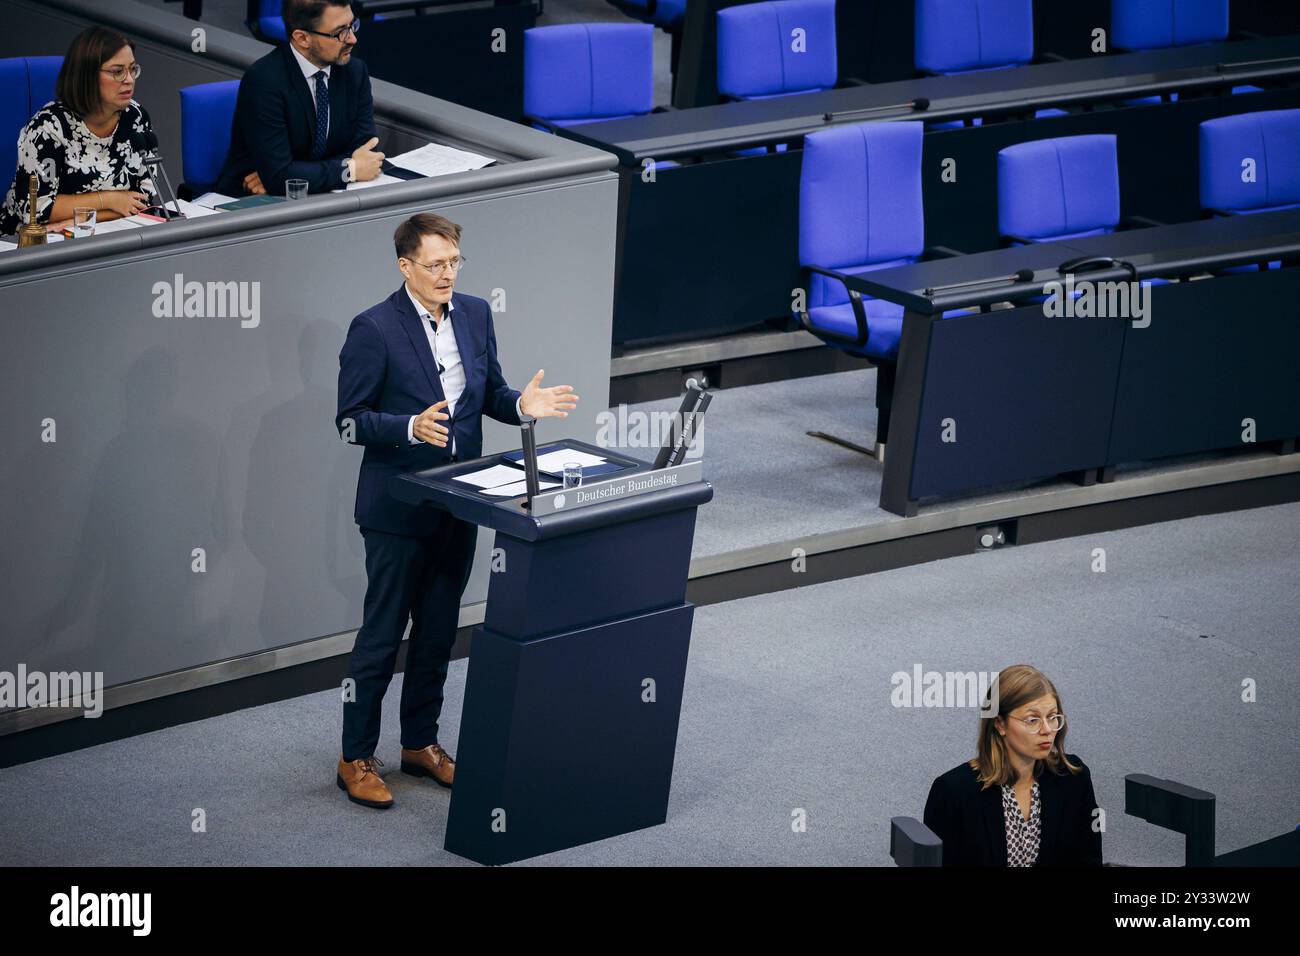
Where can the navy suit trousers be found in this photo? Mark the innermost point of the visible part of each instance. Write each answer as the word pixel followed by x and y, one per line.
pixel 420 580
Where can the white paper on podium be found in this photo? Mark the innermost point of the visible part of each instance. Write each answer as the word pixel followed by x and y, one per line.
pixel 554 461
pixel 213 200
pixel 491 477
pixel 383 179
pixel 434 159
pixel 517 488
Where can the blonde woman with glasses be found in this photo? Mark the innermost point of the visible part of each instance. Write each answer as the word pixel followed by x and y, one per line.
pixel 1022 801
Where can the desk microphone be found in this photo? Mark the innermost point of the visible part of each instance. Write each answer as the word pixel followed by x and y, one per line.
pixel 917 105
pixel 1023 275
pixel 145 144
pixel 694 404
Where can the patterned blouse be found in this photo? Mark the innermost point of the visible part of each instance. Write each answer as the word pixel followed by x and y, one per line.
pixel 1022 835
pixel 69 159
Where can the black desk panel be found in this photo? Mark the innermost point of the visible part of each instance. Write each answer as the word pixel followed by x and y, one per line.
pixel 1010 395
pixel 1028 396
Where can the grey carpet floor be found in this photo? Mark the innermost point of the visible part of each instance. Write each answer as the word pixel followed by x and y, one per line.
pixel 787 706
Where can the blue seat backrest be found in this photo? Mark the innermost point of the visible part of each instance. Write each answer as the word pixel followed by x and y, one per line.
pixel 1151 24
pixel 954 36
pixel 269 20
pixel 26 84
pixel 588 70
pixel 1251 161
pixel 783 46
pixel 1053 188
pixel 860 199
pixel 207 112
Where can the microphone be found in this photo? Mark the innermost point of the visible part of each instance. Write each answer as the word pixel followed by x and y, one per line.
pixel 694 404
pixel 145 144
pixel 1020 275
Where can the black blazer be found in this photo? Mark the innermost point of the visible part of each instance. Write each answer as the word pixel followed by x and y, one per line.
pixel 970 822
pixel 387 373
pixel 274 127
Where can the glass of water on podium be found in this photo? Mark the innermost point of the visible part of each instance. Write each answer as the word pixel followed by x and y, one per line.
pixel 572 474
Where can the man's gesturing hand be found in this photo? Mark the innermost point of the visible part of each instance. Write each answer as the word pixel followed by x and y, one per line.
pixel 426 427
pixel 553 402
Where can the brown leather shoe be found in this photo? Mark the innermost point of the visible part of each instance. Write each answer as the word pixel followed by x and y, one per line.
pixel 360 778
pixel 431 761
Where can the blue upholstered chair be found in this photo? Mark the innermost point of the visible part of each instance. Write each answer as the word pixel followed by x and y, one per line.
pixel 757 59
pixel 1156 24
pixel 1271 139
pixel 971 36
pixel 269 24
pixel 662 13
pixel 964 36
pixel 578 73
pixel 26 84
pixel 757 55
pixel 207 112
pixel 1062 188
pixel 1153 24
pixel 860 210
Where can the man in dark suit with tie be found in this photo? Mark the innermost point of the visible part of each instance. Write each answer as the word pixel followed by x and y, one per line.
pixel 304 110
pixel 423 357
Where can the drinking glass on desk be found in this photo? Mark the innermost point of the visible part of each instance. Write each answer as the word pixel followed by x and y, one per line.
pixel 572 474
pixel 83 222
pixel 295 188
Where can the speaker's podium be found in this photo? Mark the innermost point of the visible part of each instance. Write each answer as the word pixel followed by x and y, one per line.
pixel 575 676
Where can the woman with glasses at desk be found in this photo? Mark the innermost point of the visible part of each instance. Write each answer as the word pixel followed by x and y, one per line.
pixel 79 145
pixel 1023 801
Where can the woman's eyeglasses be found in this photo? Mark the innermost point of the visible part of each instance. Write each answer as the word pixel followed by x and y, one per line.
pixel 120 73
pixel 1054 722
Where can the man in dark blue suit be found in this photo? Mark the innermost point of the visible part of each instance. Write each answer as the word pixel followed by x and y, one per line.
pixel 424 356
pixel 304 110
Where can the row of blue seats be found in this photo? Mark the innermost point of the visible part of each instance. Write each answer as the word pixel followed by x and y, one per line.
pixel 207 111
pixel 587 72
pixel 861 207
pixel 962 25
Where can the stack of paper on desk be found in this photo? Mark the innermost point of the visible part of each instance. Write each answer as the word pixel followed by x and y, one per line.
pixel 434 159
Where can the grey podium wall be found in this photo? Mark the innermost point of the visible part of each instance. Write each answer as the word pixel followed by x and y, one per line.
pixel 173 434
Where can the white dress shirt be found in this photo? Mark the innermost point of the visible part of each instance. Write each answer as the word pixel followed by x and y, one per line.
pixel 309 70
pixel 451 370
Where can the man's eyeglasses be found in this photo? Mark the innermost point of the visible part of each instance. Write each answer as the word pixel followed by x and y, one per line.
pixel 349 30
pixel 1033 724
pixel 436 269
pixel 120 73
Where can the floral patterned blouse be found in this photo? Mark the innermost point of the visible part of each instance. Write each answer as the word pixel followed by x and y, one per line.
pixel 69 159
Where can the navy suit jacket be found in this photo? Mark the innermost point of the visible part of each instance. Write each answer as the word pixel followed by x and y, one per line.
pixel 274 128
pixel 974 832
pixel 387 373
